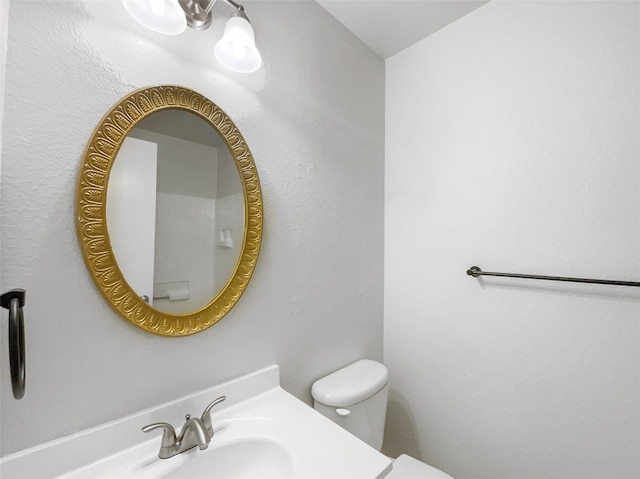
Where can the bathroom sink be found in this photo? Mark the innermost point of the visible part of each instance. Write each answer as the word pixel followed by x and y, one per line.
pixel 260 432
pixel 235 453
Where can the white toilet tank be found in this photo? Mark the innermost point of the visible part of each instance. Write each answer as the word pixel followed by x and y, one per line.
pixel 355 397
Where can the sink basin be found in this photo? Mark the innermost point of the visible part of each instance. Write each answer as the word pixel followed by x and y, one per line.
pixel 268 460
pixel 260 432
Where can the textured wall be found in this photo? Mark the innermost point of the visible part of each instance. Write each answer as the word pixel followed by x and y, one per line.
pixel 313 117
pixel 4 22
pixel 512 144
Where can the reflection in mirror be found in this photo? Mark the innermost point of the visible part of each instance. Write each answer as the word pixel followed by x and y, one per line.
pixel 175 211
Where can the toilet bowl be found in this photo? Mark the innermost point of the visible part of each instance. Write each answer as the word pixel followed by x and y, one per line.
pixel 355 398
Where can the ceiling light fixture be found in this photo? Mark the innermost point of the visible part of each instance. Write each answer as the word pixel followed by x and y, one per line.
pixel 237 48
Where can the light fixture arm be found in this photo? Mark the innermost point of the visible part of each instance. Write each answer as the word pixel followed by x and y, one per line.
pixel 239 9
pixel 198 12
pixel 235 5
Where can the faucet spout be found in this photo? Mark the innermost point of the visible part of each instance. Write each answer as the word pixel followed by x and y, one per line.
pixel 194 433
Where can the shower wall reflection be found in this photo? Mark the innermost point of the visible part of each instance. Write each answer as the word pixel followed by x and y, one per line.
pixel 198 219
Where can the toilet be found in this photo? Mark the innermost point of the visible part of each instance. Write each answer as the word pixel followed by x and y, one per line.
pixel 355 398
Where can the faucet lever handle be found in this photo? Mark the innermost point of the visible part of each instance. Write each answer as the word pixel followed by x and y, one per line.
pixel 206 415
pixel 168 436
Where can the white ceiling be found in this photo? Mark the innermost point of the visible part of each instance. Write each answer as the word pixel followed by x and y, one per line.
pixel 390 26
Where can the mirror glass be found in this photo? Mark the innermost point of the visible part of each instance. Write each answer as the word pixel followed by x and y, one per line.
pixel 175 211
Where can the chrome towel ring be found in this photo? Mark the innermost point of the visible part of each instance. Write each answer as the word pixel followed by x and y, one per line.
pixel 14 301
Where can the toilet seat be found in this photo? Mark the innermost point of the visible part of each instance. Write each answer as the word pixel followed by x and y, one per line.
pixel 406 467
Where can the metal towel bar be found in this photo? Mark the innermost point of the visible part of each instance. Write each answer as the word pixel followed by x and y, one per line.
pixel 475 271
pixel 14 301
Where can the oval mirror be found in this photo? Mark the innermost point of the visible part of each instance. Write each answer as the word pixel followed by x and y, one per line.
pixel 169 210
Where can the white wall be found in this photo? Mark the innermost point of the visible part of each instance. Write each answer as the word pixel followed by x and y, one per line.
pixel 229 220
pixel 314 120
pixel 4 22
pixel 229 215
pixel 512 144
pixel 185 252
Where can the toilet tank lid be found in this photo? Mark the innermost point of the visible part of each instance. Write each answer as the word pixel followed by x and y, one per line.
pixel 351 384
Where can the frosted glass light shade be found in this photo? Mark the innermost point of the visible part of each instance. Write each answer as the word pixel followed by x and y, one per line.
pixel 236 49
pixel 161 16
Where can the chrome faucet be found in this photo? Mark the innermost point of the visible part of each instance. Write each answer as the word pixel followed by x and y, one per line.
pixel 194 432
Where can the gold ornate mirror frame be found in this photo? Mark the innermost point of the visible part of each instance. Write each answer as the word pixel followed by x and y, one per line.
pixel 91 202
